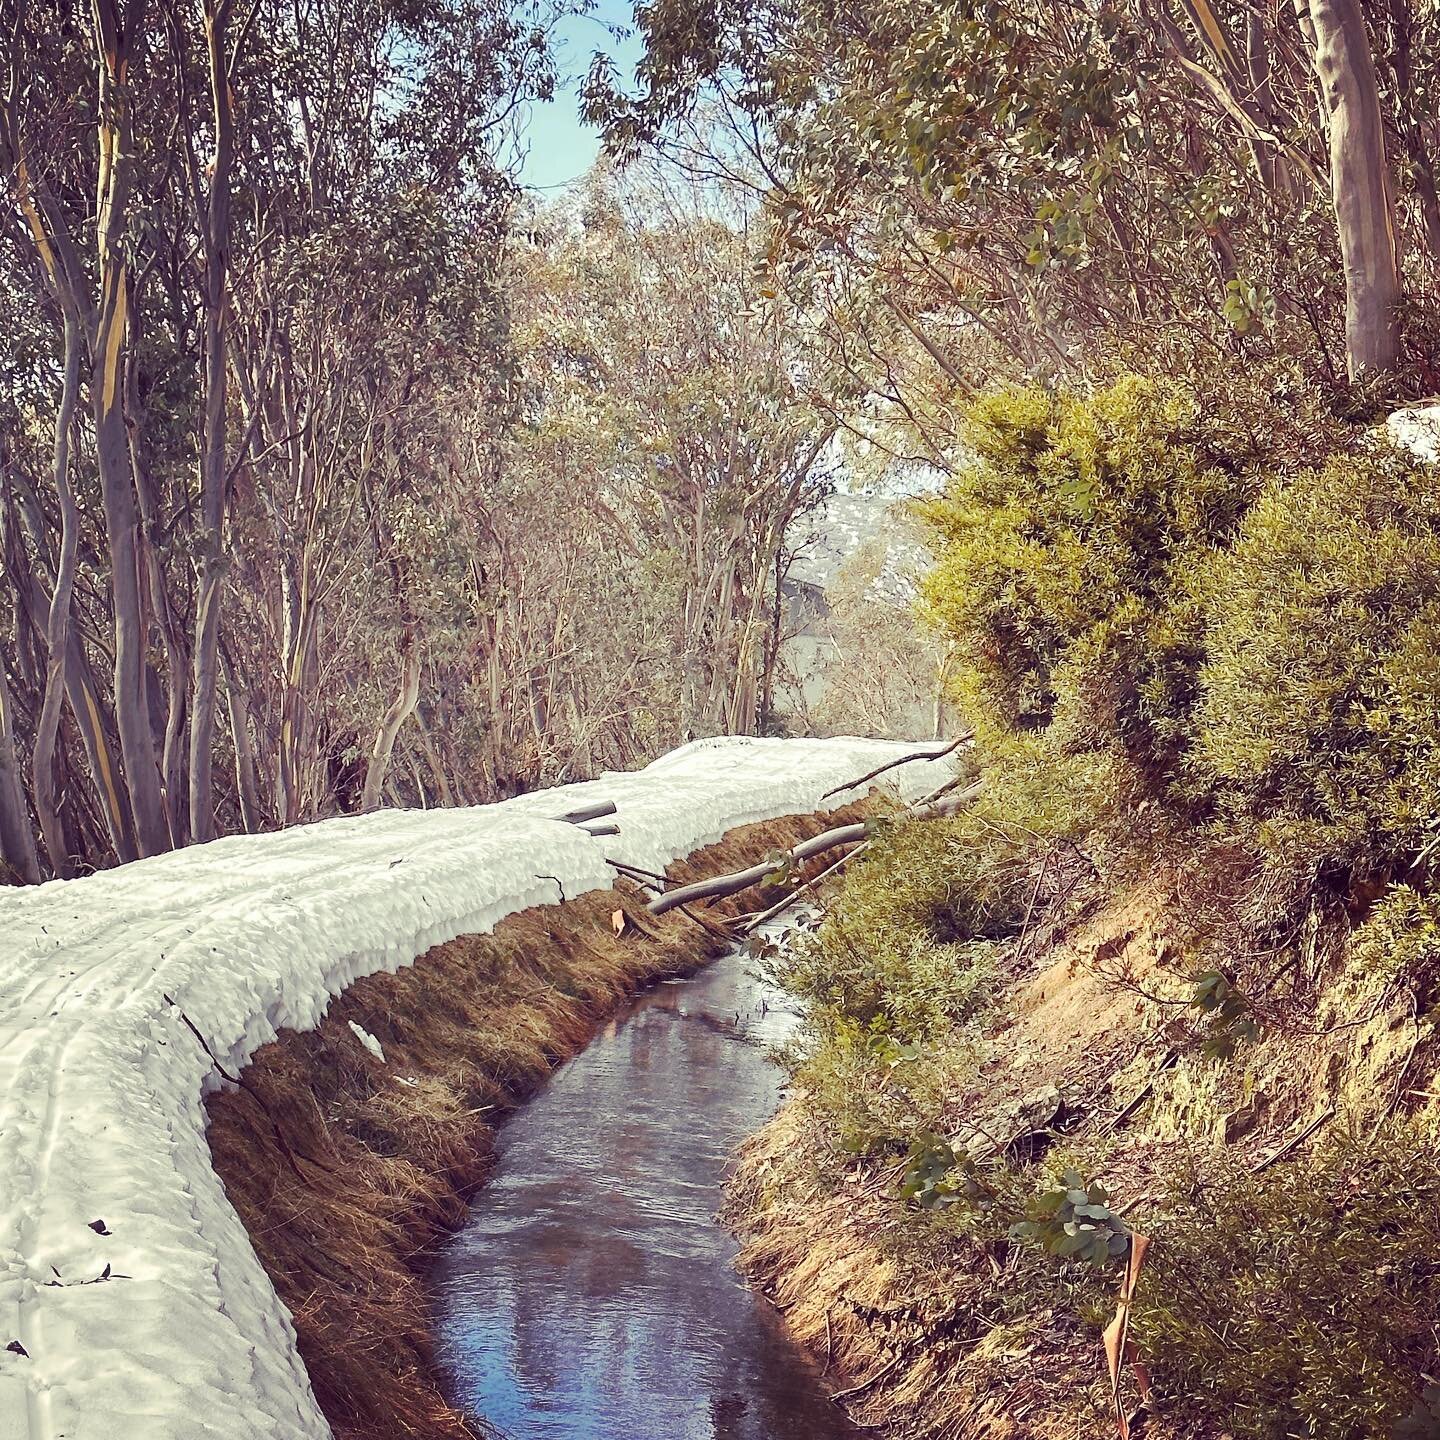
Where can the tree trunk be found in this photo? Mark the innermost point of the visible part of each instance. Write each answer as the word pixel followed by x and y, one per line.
pixel 116 38
pixel 400 710
pixel 17 843
pixel 216 229
pixel 252 816
pixel 1360 184
pixel 1409 124
pixel 57 628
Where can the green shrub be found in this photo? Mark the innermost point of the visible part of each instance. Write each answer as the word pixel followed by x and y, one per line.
pixel 908 943
pixel 1253 642
pixel 1058 554
pixel 1317 723
pixel 1400 937
pixel 1072 1218
pixel 1301 1301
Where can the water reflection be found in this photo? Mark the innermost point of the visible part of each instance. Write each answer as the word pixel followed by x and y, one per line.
pixel 591 1293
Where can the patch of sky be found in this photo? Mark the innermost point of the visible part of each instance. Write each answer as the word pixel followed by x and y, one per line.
pixel 552 146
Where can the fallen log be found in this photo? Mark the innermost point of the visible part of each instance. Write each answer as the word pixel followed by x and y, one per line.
pixel 721 885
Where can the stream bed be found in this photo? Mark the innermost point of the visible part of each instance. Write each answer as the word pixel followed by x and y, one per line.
pixel 591 1294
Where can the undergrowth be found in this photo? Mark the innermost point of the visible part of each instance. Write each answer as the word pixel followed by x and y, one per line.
pixel 1201 659
pixel 1304 1300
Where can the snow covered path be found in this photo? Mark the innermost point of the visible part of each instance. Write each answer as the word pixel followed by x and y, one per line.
pixel 132 1306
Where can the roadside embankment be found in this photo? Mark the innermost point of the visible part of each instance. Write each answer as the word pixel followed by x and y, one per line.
pixel 912 1210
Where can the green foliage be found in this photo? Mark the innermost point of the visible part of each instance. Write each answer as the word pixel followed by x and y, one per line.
pixel 1300 1301
pixel 906 945
pixel 938 1175
pixel 1316 722
pixel 1247 305
pixel 1228 1008
pixel 1060 553
pixel 1073 1219
pixel 1251 642
pixel 1400 937
pixel 869 1094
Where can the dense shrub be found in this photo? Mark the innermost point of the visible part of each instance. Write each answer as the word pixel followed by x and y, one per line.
pixel 1254 641
pixel 1175 644
pixel 907 944
pixel 1300 1301
pixel 1059 551
pixel 1317 722
pixel 1399 939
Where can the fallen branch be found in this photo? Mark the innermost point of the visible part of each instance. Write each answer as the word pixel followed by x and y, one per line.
pixel 754 922
pixel 1148 1089
pixel 653 878
pixel 864 1385
pixel 1327 1114
pixel 718 886
pixel 950 749
pixel 703 923
pixel 644 878
pixel 594 811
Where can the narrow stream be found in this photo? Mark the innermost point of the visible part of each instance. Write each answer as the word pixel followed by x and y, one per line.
pixel 591 1295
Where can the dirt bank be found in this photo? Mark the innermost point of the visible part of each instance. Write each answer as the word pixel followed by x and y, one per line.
pixel 345 1167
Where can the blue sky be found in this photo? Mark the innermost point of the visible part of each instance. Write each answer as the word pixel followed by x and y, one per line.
pixel 557 147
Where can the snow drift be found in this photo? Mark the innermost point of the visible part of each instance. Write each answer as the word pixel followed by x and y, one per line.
pixel 131 1301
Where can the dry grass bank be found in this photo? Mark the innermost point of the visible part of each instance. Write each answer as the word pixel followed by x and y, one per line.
pixel 345 1168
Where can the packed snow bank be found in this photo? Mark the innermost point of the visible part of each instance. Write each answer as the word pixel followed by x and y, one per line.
pixel 1417 429
pixel 132 1306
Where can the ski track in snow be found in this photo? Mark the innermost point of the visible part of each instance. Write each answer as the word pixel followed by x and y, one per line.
pixel 102 1082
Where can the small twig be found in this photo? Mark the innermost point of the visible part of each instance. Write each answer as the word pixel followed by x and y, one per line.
pixel 1171 1056
pixel 626 868
pixel 558 885
pixel 1404 1069
pixel 754 922
pixel 1327 1114
pixel 704 924
pixel 1030 908
pixel 242 1084
pixel 864 1385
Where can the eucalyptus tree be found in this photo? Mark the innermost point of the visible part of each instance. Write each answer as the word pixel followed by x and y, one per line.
pixel 191 181
pixel 657 336
pixel 1039 187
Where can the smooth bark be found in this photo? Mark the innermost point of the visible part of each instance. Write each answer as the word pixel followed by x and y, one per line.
pixel 1360 185
pixel 17 843
pixel 213 473
pixel 117 32
pixel 57 627
pixel 401 708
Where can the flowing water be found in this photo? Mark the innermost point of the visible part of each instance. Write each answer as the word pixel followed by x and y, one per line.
pixel 591 1296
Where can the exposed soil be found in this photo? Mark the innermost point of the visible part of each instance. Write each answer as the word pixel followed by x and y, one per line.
pixel 1084 1024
